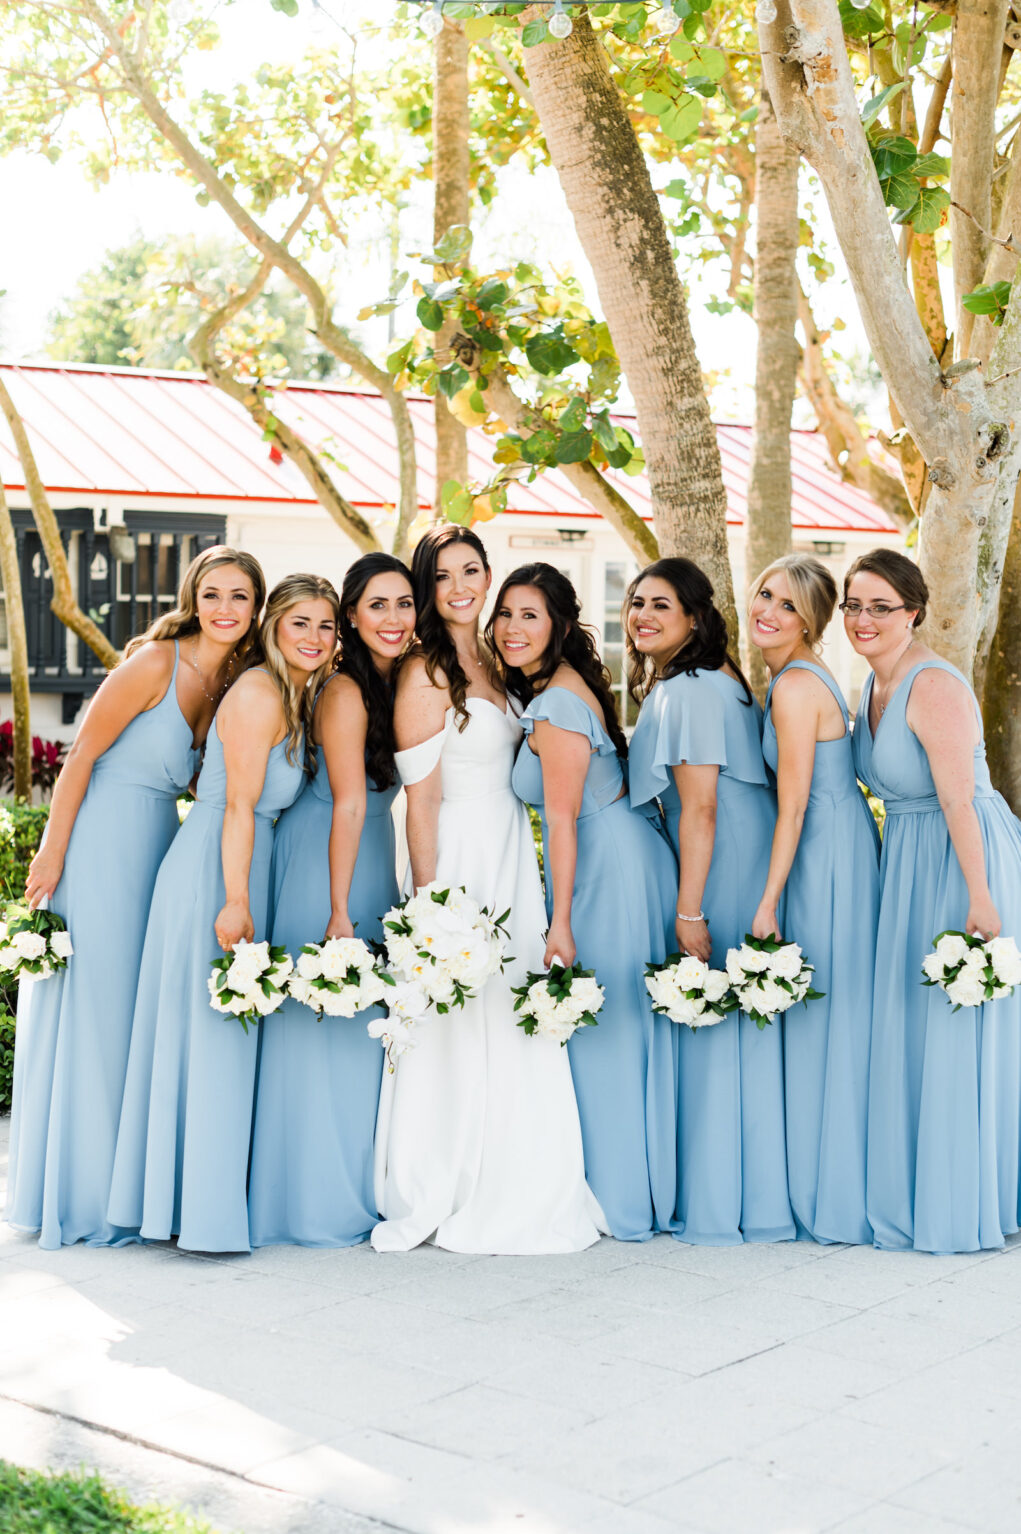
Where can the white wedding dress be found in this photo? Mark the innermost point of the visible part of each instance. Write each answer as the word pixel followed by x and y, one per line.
pixel 478 1143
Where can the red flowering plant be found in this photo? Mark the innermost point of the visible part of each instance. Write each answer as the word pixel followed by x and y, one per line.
pixel 47 760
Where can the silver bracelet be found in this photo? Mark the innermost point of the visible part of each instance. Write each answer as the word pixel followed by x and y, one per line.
pixel 700 917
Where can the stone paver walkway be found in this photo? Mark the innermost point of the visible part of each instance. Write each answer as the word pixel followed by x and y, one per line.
pixel 626 1390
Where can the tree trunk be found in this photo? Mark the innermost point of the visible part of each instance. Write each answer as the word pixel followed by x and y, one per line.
pixel 979 27
pixel 1002 703
pixel 451 205
pixel 616 212
pixel 63 603
pixel 768 524
pixel 17 643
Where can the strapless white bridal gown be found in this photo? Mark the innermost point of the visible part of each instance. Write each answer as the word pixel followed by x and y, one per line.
pixel 478 1143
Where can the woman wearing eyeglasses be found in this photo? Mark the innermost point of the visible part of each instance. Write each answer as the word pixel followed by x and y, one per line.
pixel 945 1086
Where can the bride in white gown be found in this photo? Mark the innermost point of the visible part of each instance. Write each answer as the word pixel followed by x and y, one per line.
pixel 478 1143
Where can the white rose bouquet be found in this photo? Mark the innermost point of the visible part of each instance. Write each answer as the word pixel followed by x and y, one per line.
pixel 687 991
pixel 251 982
pixel 32 942
pixel 972 969
pixel 408 1004
pixel 558 1001
pixel 768 977
pixel 336 978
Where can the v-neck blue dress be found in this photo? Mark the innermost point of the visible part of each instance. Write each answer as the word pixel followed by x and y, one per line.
pixel 831 902
pixel 731 1147
pixel 74 1029
pixel 181 1166
pixel 944 1141
pixel 625 1068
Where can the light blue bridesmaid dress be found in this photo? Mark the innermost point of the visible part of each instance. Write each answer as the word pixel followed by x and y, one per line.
pixel 181 1165
pixel 318 1087
pixel 831 909
pixel 945 1087
pixel 74 1028
pixel 732 1162
pixel 625 1068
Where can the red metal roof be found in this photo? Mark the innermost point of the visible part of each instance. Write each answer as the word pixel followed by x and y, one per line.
pixel 171 436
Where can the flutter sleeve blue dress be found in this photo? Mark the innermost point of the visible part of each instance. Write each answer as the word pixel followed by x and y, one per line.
pixel 624 1069
pixel 832 910
pixel 74 1028
pixel 944 1137
pixel 731 1150
pixel 318 1087
pixel 181 1165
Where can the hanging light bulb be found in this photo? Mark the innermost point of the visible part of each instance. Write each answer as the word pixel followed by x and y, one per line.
pixel 320 20
pixel 861 5
pixel 560 24
pixel 432 21
pixel 667 21
pixel 765 12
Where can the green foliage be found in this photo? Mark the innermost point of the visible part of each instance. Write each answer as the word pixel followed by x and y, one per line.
pixel 7 1025
pixel 79 1502
pixel 990 299
pixel 21 831
pixel 903 175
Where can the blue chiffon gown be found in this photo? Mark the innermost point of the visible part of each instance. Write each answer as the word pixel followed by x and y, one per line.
pixel 624 1069
pixel 181 1165
pixel 945 1087
pixel 318 1086
pixel 731 1152
pixel 74 1028
pixel 832 909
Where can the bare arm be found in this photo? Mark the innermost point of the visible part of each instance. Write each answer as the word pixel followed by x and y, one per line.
pixel 564 756
pixel 795 712
pixel 419 714
pixel 136 685
pixel 941 713
pixel 248 721
pixel 343 723
pixel 696 838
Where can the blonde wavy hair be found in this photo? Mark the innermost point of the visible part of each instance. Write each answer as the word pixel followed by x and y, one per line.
pixel 184 618
pixel 297 702
pixel 813 592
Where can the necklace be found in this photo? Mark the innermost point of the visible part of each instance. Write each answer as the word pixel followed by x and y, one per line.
pixel 881 706
pixel 198 673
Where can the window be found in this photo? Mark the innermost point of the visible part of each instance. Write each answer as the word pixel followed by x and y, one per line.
pixel 617 575
pixel 123 580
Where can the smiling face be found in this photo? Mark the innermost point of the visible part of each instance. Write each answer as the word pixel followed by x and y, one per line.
pixel 384 617
pixel 773 620
pixel 225 603
pixel 462 584
pixel 877 635
pixel 522 628
pixel 657 623
pixel 306 635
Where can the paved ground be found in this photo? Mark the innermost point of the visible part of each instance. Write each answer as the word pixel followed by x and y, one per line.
pixel 627 1390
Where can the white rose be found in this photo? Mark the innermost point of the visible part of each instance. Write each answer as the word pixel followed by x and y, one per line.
pixel 934 966
pixel 735 964
pixel 587 994
pixel 786 962
pixel 967 990
pixel 754 961
pixel 264 1004
pixel 303 992
pixel 558 1030
pixel 544 1008
pixel 952 949
pixel 1005 959
pixel 685 1011
pixel 401 952
pixel 976 960
pixel 343 1003
pixel 717 984
pixel 60 943
pixel 309 966
pixel 768 999
pixel 690 973
pixel 28 945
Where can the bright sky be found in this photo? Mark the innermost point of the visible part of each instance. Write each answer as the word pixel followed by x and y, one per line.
pixel 68 224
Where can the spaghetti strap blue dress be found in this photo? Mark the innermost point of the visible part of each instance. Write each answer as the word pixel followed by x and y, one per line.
pixel 625 1068
pixel 731 1144
pixel 944 1139
pixel 74 1028
pixel 832 910
pixel 318 1087
pixel 181 1165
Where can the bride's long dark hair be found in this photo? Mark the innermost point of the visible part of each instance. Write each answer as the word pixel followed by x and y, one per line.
pixel 356 662
pixel 570 643
pixel 434 642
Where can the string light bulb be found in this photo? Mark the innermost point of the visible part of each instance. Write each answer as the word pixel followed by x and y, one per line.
pixel 432 21
pixel 560 24
pixel 667 21
pixel 320 20
pixel 861 5
pixel 765 12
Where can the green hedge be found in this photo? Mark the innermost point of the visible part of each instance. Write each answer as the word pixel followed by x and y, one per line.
pixel 21 831
pixel 79 1503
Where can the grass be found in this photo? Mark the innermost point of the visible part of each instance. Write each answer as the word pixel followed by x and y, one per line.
pixel 79 1502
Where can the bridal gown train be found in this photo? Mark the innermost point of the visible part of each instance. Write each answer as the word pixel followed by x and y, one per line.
pixel 478 1144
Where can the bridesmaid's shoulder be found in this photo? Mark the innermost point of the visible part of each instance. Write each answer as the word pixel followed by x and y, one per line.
pixel 341 697
pixel 154 659
pixel 794 688
pixel 254 696
pixel 935 688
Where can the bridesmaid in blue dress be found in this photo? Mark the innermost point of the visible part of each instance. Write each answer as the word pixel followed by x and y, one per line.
pixel 609 873
pixel 825 865
pixel 113 816
pixel 945 1087
pixel 334 874
pixel 181 1163
pixel 697 749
